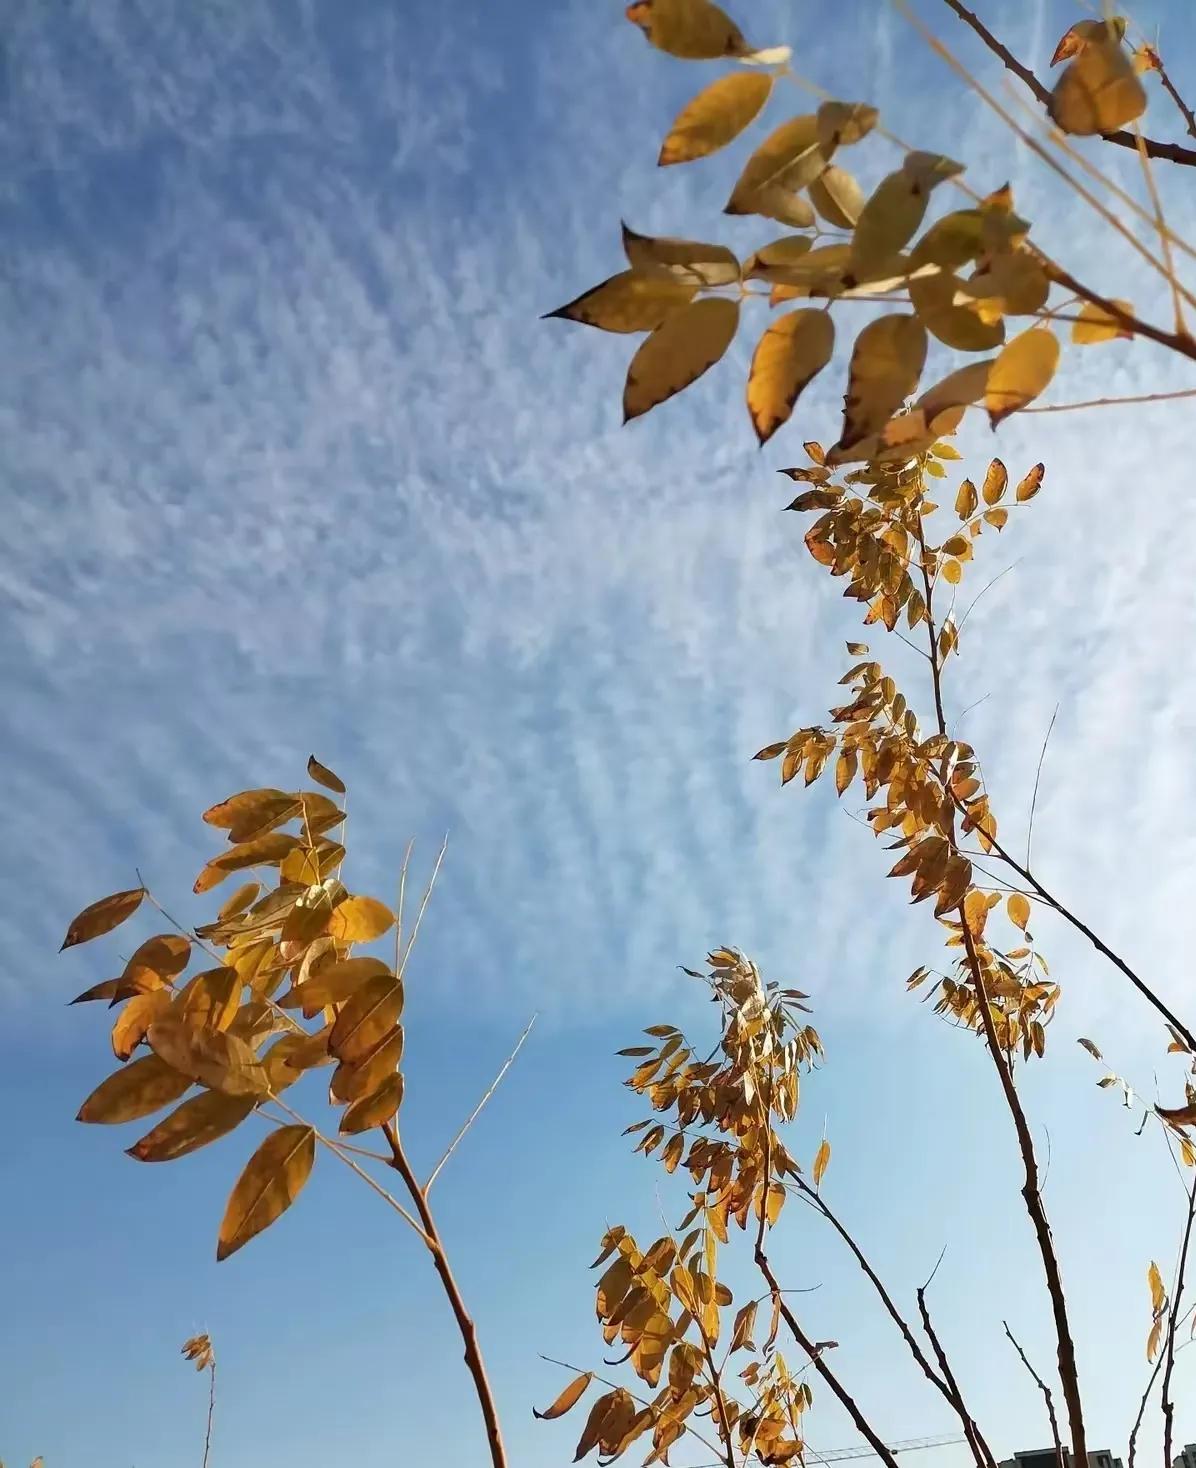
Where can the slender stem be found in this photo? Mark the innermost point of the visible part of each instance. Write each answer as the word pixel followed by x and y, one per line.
pixel 1186 112
pixel 980 1449
pixel 207 1441
pixel 469 1334
pixel 1133 1449
pixel 1031 1194
pixel 1060 1459
pixel 1164 234
pixel 477 1110
pixel 1173 1329
pixel 1144 397
pixel 1172 152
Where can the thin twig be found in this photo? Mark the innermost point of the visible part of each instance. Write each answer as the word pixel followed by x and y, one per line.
pixel 1173 1328
pixel 1060 1459
pixel 580 1371
pixel 1172 152
pixel 1037 778
pixel 1186 112
pixel 1163 233
pixel 401 903
pixel 980 1449
pixel 1144 397
pixel 423 907
pixel 477 1110
pixel 207 1439
pixel 1133 1448
pixel 1012 565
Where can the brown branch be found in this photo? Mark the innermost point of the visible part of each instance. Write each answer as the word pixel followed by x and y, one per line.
pixel 1133 1450
pixel 1144 397
pixel 977 1444
pixel 980 1449
pixel 1172 152
pixel 1060 1458
pixel 1031 1195
pixel 1101 947
pixel 1173 1328
pixel 1185 111
pixel 469 1334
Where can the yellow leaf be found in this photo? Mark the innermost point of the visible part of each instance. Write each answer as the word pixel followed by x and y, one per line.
pixel 374 1109
pixel 953 572
pixel 845 768
pixel 975 912
pixel 1076 37
pixel 966 501
pixel 334 984
pixel 694 30
pixel 267 850
pixel 135 1018
pixel 569 1398
pixel 678 353
pixel 790 354
pixel 270 1183
pixel 934 298
pixel 209 1000
pixel 153 964
pixel 369 1015
pixel 1031 484
pixel 1158 1294
pixel 837 197
pixel 789 158
pixel 1152 1342
pixel 841 123
pixel 943 405
pixel 1099 91
pixel 996 481
pixel 134 1091
pixel 692 262
pixel 791 261
pixel 717 115
pixel 242 898
pixel 821 1161
pixel 1095 324
pixel 291 1055
pixel 629 302
pixel 359 920
pixel 885 366
pixel 1021 372
pixel 249 808
pixel 1018 908
pixel 213 1058
pixel 101 917
pixel 888 221
pixel 1015 284
pixel 202 1119
pixel 322 775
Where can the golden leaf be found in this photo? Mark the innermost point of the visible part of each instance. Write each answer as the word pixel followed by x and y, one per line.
pixel 772 261
pixel 322 775
pixel 134 1091
pixel 943 405
pixel 1158 1294
pixel 359 920
pixel 845 768
pixel 789 158
pixel 374 1109
pixel 1099 91
pixel 841 123
pixel 270 1183
pixel 965 501
pixel 203 1119
pixel 694 30
pixel 975 912
pixel 369 1015
pixel 1015 284
pixel 1076 37
pixel 628 302
pixel 745 1324
pixel 888 221
pixel 837 197
pixel 249 807
pixel 106 989
pixel 217 1060
pixel 996 517
pixel 691 262
pixel 239 901
pixel 886 363
pixel 996 481
pixel 821 1161
pixel 1031 484
pixel 678 353
pixel 717 115
pixel 334 984
pixel 934 298
pixel 266 850
pixel 1021 372
pixel 291 1055
pixel 102 916
pixel 1095 324
pixel 210 999
pixel 568 1399
pixel 135 1018
pixel 1152 1341
pixel 790 354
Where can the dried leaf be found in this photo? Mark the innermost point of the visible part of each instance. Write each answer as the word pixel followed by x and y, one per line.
pixel 568 1399
pixel 322 775
pixel 213 1058
pixel 716 116
pixel 373 1110
pixel 1099 91
pixel 102 916
pixel 203 1119
pixel 242 898
pixel 135 1018
pixel 628 302
pixel 692 262
pixel 821 1161
pixel 886 363
pixel 837 197
pixel 1091 1048
pixel 1021 372
pixel 368 1016
pixel 694 30
pixel 888 221
pixel 790 354
pixel 789 159
pixel 359 920
pixel 996 481
pixel 134 1091
pixel 1158 1294
pixel 334 984
pixel 250 807
pixel 1095 324
pixel 842 123
pixel 291 1055
pixel 270 1183
pixel 942 406
pixel 678 353
pixel 267 850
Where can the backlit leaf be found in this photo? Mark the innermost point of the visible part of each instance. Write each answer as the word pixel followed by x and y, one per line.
pixel 678 353
pixel 694 30
pixel 888 221
pixel 996 481
pixel 1158 1293
pixel 134 1091
pixel 568 1399
pixel 350 1082
pixel 1153 1340
pixel 135 1018
pixel 242 898
pixel 1022 370
pixel 102 916
pixel 369 1015
pixel 692 262
pixel 291 1055
pixel 717 115
pixel 202 1119
pixel 837 197
pixel 250 806
pixel 1095 324
pixel 1031 484
pixel 943 405
pixel 1098 92
pixel 213 1058
pixel 628 302
pixel 322 775
pixel 270 1183
pixel 886 363
pixel 821 1162
pixel 842 123
pixel 359 920
pixel 334 984
pixel 373 1110
pixel 266 850
pixel 790 354
pixel 789 158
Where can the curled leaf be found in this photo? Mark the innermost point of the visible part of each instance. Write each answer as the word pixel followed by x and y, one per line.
pixel 568 1399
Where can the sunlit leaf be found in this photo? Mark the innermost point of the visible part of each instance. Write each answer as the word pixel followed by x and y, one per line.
pixel 789 158
pixel 888 220
pixel 1095 324
pixel 694 30
pixel 250 807
pixel 322 775
pixel 359 920
pixel 996 480
pixel 242 898
pixel 678 353
pixel 692 262
pixel 628 302
pixel 568 1399
pixel 837 197
pixel 716 116
pixel 136 1090
pixel 369 1015
pixel 1022 370
pixel 1098 92
pixel 1031 484
pixel 886 363
pixel 270 1183
pixel 822 1160
pixel 135 1019
pixel 334 984
pixel 266 850
pixel 213 1058
pixel 374 1109
pixel 102 916
pixel 842 123
pixel 790 354
pixel 350 1082
pixel 202 1119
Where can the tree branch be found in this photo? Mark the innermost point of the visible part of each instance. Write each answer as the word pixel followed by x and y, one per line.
pixel 469 1334
pixel 1060 1459
pixel 979 1447
pixel 1173 1328
pixel 1172 152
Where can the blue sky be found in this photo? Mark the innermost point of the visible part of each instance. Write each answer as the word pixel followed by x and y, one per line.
pixel 292 465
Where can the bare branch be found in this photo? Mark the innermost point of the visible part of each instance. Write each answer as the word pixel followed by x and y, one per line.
pixel 1173 1328
pixel 1060 1457
pixel 1145 397
pixel 979 1447
pixel 1034 796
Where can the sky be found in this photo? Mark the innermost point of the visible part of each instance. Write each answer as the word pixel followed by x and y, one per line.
pixel 291 464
